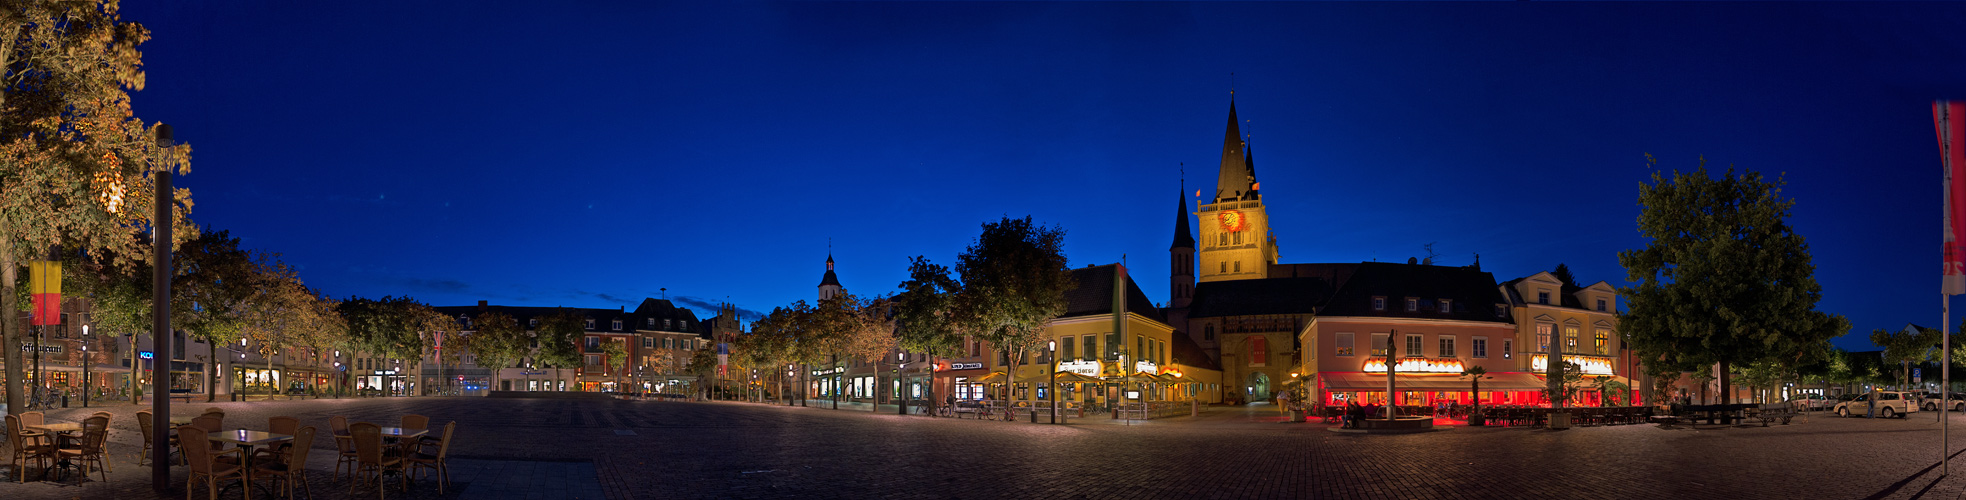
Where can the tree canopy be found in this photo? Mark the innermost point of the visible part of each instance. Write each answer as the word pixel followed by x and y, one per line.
pixel 1014 279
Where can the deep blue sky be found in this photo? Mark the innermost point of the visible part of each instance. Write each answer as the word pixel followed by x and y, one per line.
pixel 590 154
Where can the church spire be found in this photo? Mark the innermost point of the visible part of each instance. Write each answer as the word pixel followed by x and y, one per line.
pixel 1233 181
pixel 1183 238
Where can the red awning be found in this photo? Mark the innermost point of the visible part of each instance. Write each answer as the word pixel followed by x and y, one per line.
pixel 1376 382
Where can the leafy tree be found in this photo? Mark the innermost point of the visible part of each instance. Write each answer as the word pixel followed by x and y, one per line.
pixel 829 328
pixel 497 342
pixel 320 330
pixel 388 328
pixel 869 332
pixel 925 314
pixel 1562 273
pixel 209 298
pixel 1724 279
pixel 1907 347
pixel 1014 279
pixel 75 165
pixel 766 346
pixel 560 335
pixel 612 354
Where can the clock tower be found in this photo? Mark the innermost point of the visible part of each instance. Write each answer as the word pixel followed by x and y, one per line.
pixel 1235 230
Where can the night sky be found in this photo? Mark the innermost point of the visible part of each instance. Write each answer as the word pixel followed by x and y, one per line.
pixel 591 154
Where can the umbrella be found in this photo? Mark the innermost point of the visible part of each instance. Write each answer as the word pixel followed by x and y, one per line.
pixel 992 378
pixel 1076 378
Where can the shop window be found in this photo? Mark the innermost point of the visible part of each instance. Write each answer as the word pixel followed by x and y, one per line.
pixel 1344 345
pixel 1478 347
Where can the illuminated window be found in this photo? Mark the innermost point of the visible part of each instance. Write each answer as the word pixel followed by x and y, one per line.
pixel 1413 346
pixel 1543 331
pixel 1508 348
pixel 1569 340
pixel 1344 347
pixel 1378 344
pixel 1446 347
pixel 1602 344
pixel 1478 347
pixel 1444 306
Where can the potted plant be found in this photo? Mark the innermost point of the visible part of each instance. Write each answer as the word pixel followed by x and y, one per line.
pixel 1476 373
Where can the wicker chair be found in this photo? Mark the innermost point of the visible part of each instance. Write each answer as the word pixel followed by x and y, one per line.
pixel 205 462
pixel 90 450
pixel 436 462
pixel 148 428
pixel 279 425
pixel 27 446
pixel 291 466
pixel 343 443
pixel 371 458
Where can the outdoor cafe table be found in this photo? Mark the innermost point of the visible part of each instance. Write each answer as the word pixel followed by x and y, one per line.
pixel 61 431
pixel 246 440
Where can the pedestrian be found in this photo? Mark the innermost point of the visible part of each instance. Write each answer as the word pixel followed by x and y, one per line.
pixel 1352 414
pixel 1283 402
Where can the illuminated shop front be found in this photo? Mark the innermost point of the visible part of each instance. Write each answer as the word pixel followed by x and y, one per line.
pixel 256 380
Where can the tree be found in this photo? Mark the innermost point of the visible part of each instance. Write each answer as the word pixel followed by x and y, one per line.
pixel 768 345
pixel 1724 279
pixel 497 342
pixel 1912 345
pixel 216 280
pixel 388 328
pixel 612 354
pixel 76 164
pixel 869 334
pixel 1562 273
pixel 320 330
pixel 1014 279
pixel 1474 374
pixel 925 314
pixel 560 334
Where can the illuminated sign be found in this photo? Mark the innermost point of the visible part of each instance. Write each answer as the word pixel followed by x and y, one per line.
pixel 828 371
pixel 965 366
pixel 1146 367
pixel 146 354
pixel 1415 365
pixel 1089 368
pixel 1591 365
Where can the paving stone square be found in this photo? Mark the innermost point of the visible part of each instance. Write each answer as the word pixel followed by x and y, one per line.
pixel 572 449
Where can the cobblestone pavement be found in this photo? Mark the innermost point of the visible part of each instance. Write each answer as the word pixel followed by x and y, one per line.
pixel 566 449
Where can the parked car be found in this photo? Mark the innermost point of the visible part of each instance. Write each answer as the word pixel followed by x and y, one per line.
pixel 1958 402
pixel 1811 402
pixel 1889 404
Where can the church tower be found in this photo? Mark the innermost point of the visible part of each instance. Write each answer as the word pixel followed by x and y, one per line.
pixel 1235 230
pixel 1181 258
pixel 830 284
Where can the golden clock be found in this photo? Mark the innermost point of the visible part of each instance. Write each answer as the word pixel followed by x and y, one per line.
pixel 1233 220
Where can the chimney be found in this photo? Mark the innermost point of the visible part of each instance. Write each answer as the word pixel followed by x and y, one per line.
pixel 482 306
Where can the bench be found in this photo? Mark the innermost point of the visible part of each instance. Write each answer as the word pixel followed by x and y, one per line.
pixel 1769 413
pixel 184 394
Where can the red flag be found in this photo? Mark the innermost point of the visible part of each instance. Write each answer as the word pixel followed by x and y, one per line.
pixel 1949 117
pixel 44 281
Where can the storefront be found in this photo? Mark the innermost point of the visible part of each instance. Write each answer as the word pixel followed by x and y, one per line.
pixel 247 380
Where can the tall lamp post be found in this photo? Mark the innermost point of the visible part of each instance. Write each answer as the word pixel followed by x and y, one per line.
pixel 85 366
pixel 1051 355
pixel 900 389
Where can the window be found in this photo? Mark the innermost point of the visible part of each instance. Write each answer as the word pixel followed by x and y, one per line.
pixel 1378 303
pixel 1378 344
pixel 617 325
pixel 593 359
pixel 684 322
pixel 665 322
pixel 1238 237
pixel 648 343
pixel 1543 297
pixel 1446 347
pixel 975 349
pixel 593 342
pixel 1602 343
pixel 1090 343
pixel 466 320
pixel 1238 266
pixel 1501 311
pixel 1508 348
pixel 1445 306
pixel 590 323
pixel 532 322
pixel 1225 267
pixel 666 344
pixel 651 322
pixel 1413 347
pixel 1600 305
pixel 1066 350
pixel 1569 339
pixel 1412 304
pixel 1208 332
pixel 1478 347
pixel 1543 336
pixel 1223 240
pixel 1344 347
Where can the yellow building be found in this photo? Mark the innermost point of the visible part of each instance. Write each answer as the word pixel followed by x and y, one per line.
pixel 1582 321
pixel 1091 341
pixel 1236 243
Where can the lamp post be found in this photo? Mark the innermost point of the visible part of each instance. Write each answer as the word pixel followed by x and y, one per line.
pixel 1051 355
pixel 789 380
pixel 85 366
pixel 901 395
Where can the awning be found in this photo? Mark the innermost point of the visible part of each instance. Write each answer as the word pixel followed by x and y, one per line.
pixel 1376 382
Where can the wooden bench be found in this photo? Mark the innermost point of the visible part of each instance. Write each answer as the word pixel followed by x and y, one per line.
pixel 184 394
pixel 1769 413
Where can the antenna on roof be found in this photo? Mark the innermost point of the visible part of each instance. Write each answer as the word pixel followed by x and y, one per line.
pixel 665 294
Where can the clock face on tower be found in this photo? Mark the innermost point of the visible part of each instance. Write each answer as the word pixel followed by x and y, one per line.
pixel 1233 221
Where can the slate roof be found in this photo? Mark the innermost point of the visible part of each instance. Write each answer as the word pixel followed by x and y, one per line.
pixel 1183 238
pixel 1094 295
pixel 1187 352
pixel 1472 291
pixel 1257 297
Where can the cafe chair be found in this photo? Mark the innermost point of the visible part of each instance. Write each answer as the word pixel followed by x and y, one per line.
pixel 279 425
pixel 210 464
pixel 369 458
pixel 290 466
pixel 94 430
pixel 343 443
pixel 144 424
pixel 27 446
pixel 420 460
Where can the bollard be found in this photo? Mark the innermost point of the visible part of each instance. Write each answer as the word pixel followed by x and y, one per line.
pixel 1034 415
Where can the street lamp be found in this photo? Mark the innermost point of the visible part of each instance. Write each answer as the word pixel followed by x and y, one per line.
pixel 901 406
pixel 1051 353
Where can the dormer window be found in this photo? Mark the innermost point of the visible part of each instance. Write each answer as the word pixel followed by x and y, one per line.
pixel 1501 311
pixel 1412 304
pixel 1600 305
pixel 1378 303
pixel 651 322
pixel 665 323
pixel 590 323
pixel 617 325
pixel 532 322
pixel 1446 306
pixel 1543 298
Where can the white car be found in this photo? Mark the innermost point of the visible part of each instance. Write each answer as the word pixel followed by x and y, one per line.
pixel 1810 402
pixel 1889 404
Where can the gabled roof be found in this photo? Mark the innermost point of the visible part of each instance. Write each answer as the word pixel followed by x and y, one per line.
pixel 1473 293
pixel 1566 294
pixel 1185 351
pixel 1094 295
pixel 1262 296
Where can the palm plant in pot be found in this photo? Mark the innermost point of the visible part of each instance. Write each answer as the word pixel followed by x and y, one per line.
pixel 1476 373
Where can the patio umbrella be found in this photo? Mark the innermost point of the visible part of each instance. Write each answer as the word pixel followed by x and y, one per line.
pixel 1076 378
pixel 992 378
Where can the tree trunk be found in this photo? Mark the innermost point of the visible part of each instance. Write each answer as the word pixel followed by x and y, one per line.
pixel 211 371
pixel 1726 397
pixel 9 314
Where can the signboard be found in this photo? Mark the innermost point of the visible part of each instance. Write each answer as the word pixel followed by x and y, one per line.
pixel 829 371
pixel 1917 375
pixel 1146 367
pixel 146 354
pixel 1414 365
pixel 1590 365
pixel 1089 368
pixel 965 366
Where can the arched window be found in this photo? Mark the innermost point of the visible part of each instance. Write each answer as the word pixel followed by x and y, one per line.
pixel 1208 332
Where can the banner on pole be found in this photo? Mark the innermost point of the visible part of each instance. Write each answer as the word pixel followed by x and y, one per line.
pixel 44 282
pixel 1949 117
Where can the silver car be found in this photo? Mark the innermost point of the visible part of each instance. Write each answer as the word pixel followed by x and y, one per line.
pixel 1889 404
